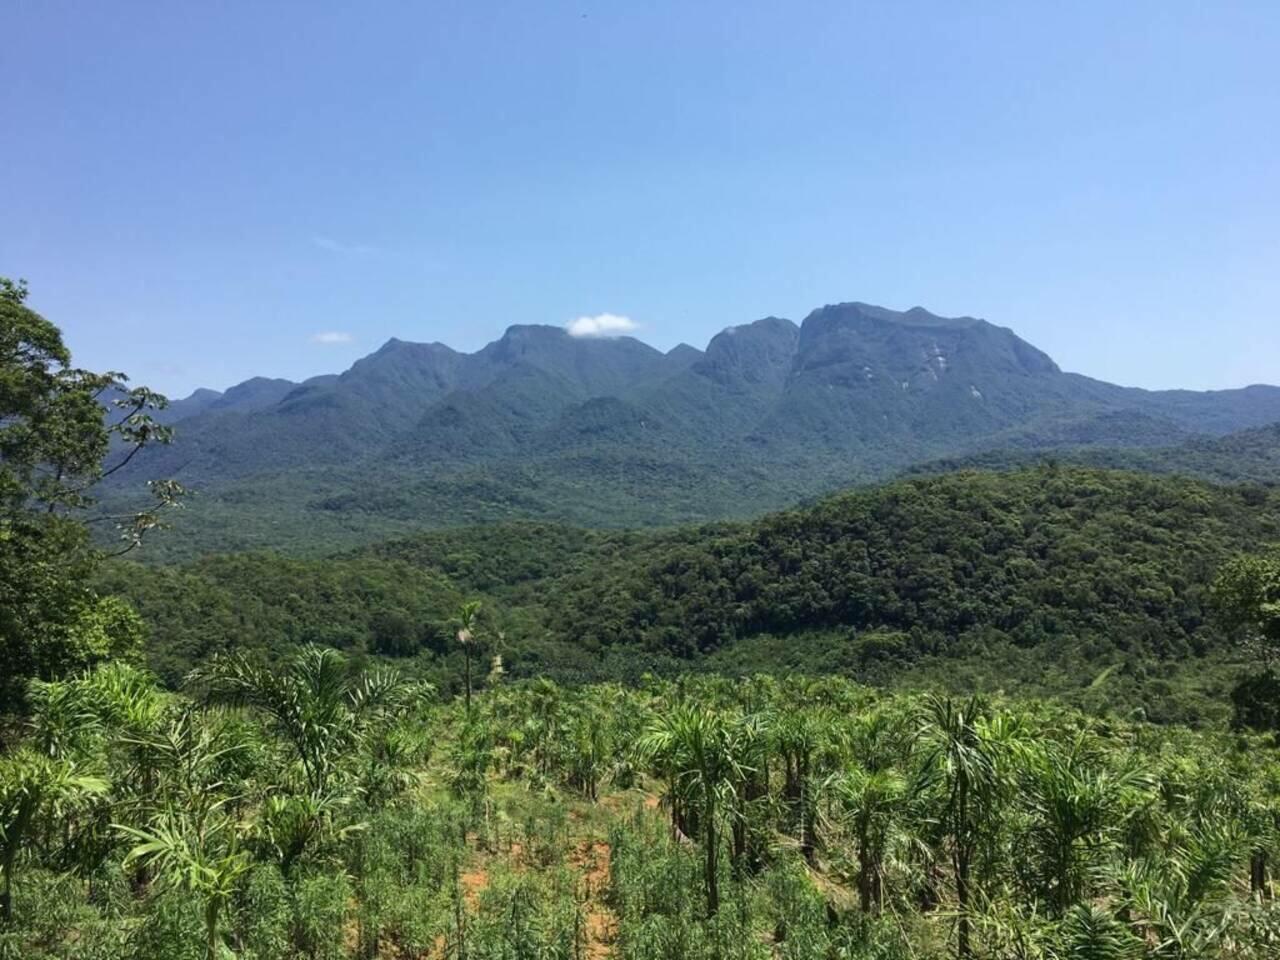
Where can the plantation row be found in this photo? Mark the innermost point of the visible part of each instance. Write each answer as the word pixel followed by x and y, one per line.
pixel 315 810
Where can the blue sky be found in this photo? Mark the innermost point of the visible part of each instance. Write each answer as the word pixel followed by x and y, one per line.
pixel 198 192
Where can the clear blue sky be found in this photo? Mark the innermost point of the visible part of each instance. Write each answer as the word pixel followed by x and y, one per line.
pixel 196 190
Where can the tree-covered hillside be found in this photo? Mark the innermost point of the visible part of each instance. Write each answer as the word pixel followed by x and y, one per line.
pixel 1248 456
pixel 272 604
pixel 1039 555
pixel 1043 580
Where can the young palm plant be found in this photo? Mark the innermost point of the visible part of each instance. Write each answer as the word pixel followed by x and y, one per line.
pixel 34 788
pixel 1079 811
pixel 1091 933
pixel 799 735
pixel 313 703
pixel 872 804
pixel 700 750
pixel 589 750
pixel 965 747
pixel 204 858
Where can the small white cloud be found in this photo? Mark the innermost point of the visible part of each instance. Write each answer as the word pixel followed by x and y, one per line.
pixel 331 336
pixel 338 246
pixel 601 325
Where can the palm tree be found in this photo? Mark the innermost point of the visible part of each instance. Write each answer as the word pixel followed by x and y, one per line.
pixel 544 702
pixel 471 756
pixel 388 760
pixel 64 722
pixel 590 746
pixel 1091 933
pixel 467 617
pixel 964 749
pixel 125 696
pixel 872 802
pixel 1079 808
pixel 110 711
pixel 1175 898
pixel 698 749
pixel 204 858
pixel 314 703
pixel 869 791
pixel 1261 814
pixel 798 736
pixel 290 825
pixel 180 763
pixel 754 739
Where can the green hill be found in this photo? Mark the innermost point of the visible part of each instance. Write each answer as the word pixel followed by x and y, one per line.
pixel 1037 580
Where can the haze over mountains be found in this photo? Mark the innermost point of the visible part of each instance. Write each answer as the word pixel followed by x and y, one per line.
pixel 612 431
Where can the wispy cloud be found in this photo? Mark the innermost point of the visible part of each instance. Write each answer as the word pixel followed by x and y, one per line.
pixel 331 337
pixel 601 325
pixel 339 246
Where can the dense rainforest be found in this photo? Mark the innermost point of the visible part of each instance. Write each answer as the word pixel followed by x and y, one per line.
pixel 1017 715
pixel 1085 583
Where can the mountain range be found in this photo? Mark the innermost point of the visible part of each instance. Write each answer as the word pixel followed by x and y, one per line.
pixel 600 431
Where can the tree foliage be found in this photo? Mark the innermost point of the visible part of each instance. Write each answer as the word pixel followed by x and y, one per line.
pixel 62 430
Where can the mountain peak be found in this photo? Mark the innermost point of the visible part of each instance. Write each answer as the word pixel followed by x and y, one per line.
pixel 396 345
pixel 759 352
pixel 683 350
pixel 535 331
pixel 766 326
pixel 915 317
pixel 855 342
pixel 256 393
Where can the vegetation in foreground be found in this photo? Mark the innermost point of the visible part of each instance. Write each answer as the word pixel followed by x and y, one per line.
pixel 321 811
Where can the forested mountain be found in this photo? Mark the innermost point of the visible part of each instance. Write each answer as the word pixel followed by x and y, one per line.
pixel 541 424
pixel 1248 456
